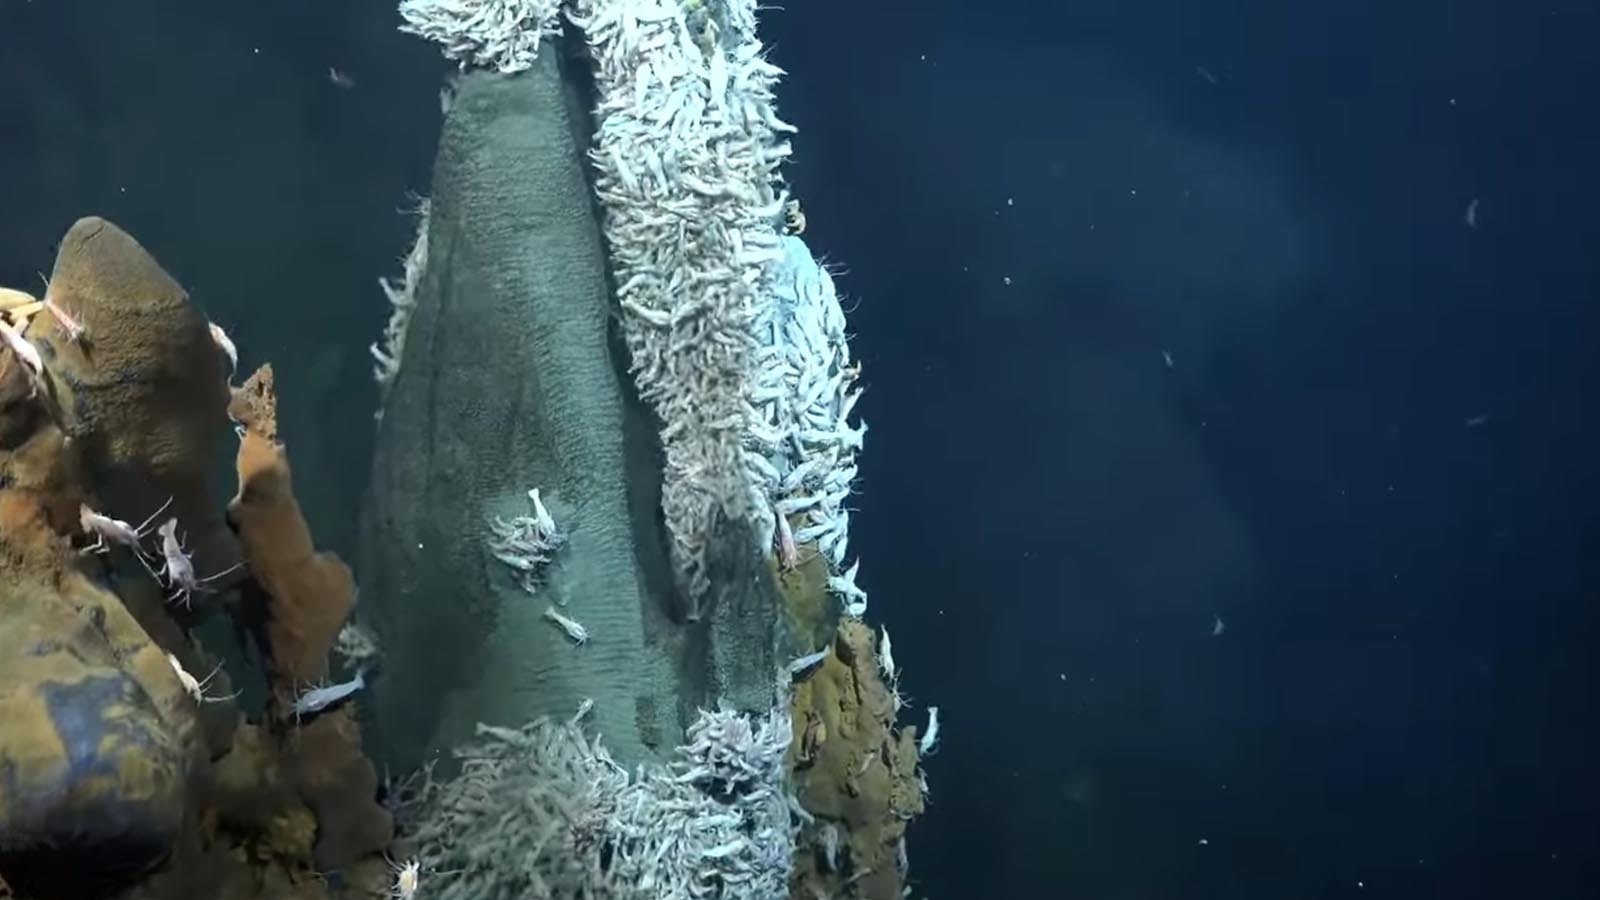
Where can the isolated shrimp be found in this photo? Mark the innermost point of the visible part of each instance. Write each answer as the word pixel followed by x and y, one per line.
pixel 225 344
pixel 788 553
pixel 406 879
pixel 178 569
pixel 108 531
pixel 71 327
pixel 930 738
pixel 27 353
pixel 196 689
pixel 318 699
pixel 574 630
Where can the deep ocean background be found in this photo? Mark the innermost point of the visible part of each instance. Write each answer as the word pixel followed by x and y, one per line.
pixel 1373 454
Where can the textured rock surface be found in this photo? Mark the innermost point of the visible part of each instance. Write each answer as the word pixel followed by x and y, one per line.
pixel 146 393
pixel 854 771
pixel 511 381
pixel 92 778
pixel 97 749
pixel 114 781
pixel 337 784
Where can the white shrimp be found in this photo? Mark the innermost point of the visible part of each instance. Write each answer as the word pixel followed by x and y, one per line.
pixel 197 689
pixel 178 569
pixel 108 531
pixel 407 877
pixel 801 665
pixel 225 344
pixel 318 699
pixel 829 839
pixel 930 738
pixel 574 630
pixel 27 353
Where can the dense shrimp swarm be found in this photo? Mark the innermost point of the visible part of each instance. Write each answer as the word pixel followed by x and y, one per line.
pixel 495 34
pixel 687 159
pixel 688 148
pixel 544 811
pixel 802 447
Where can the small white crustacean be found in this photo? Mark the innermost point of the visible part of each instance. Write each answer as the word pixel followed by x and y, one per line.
pixel 225 344
pixel 801 665
pixel 108 531
pixel 407 877
pixel 886 655
pixel 844 584
pixel 320 698
pixel 178 570
pixel 356 644
pixel 788 551
pixel 578 633
pixel 828 836
pixel 27 353
pixel 930 738
pixel 194 688
pixel 71 326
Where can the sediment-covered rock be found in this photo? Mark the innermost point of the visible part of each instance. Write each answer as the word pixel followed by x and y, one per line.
pixel 144 391
pixel 127 770
pixel 98 754
pixel 854 772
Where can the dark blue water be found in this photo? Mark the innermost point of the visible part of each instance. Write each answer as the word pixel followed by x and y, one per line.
pixel 1372 455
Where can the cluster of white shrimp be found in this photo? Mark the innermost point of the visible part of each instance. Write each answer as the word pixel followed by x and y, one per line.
pixel 802 446
pixel 578 824
pixel 390 352
pixel 499 34
pixel 176 572
pixel 687 151
pixel 736 333
pixel 526 543
pixel 196 687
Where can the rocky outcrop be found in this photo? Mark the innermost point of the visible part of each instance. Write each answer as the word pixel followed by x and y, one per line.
pixel 854 772
pixel 143 390
pixel 97 756
pixel 126 768
pixel 97 752
pixel 312 593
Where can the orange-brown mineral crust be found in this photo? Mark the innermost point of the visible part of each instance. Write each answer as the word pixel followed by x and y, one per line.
pixel 116 781
pixel 311 593
pixel 145 391
pixel 854 771
pixel 97 738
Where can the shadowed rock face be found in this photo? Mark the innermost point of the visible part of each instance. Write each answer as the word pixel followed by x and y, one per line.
pixel 95 763
pixel 96 748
